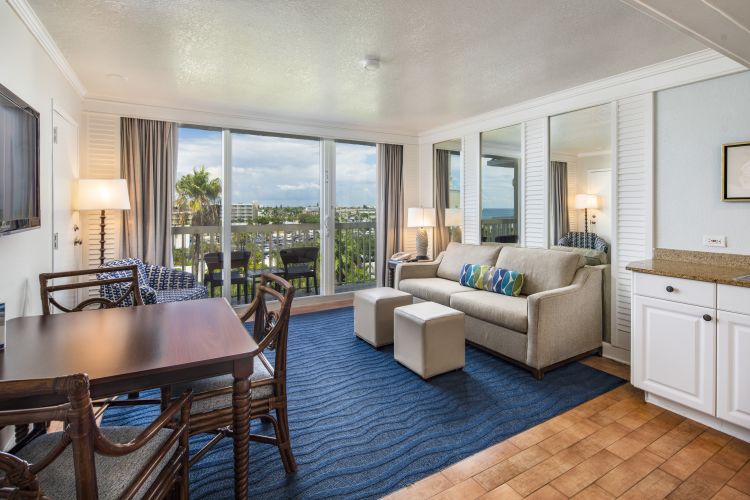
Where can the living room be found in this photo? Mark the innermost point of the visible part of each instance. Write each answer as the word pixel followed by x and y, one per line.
pixel 543 247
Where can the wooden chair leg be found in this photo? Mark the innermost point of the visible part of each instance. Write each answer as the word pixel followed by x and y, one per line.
pixel 283 440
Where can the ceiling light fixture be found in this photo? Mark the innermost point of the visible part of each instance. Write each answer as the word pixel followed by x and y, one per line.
pixel 370 63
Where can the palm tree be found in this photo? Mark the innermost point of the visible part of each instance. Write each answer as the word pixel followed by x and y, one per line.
pixel 198 197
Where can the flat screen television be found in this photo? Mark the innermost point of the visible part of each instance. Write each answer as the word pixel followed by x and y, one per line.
pixel 19 164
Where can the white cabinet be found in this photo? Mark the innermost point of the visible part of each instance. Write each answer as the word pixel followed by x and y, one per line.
pixel 674 351
pixel 733 362
pixel 690 349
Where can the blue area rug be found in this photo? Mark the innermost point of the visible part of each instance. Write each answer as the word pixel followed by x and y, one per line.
pixel 362 425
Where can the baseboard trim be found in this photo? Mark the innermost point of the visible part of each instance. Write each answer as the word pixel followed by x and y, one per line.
pixel 698 416
pixel 616 353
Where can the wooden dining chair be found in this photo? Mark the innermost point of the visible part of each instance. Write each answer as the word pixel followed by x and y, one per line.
pixel 127 283
pixel 84 461
pixel 212 397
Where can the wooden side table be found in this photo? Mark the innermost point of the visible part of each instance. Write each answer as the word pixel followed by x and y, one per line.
pixel 391 274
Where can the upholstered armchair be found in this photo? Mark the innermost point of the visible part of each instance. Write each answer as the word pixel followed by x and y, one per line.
pixel 157 284
pixel 579 239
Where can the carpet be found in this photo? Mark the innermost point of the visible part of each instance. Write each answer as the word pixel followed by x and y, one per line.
pixel 362 425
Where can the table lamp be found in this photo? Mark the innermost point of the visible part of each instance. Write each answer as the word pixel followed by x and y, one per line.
pixel 586 201
pixel 421 218
pixel 454 217
pixel 102 194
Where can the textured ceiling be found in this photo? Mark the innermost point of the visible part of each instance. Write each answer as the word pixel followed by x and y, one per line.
pixel 442 60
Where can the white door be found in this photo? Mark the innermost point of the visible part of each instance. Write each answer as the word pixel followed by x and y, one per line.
pixel 674 351
pixel 733 377
pixel 66 255
pixel 599 183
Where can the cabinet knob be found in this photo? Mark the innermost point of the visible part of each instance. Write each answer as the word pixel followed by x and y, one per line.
pixel 707 317
pixel 670 288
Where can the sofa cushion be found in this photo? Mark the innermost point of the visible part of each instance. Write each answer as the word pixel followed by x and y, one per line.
pixel 458 254
pixel 495 308
pixel 433 289
pixel 543 269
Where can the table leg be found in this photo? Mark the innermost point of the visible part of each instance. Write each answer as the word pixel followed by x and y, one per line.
pixel 241 425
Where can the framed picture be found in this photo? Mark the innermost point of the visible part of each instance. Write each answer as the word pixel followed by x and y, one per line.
pixel 735 172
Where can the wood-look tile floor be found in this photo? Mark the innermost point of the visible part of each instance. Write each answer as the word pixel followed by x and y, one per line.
pixel 613 446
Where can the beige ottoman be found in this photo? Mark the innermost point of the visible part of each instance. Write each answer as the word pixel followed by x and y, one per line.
pixel 429 338
pixel 373 313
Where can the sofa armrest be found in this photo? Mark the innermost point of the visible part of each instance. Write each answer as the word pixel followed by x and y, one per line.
pixel 409 270
pixel 567 321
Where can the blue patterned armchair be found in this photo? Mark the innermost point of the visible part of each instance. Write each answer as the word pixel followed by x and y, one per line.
pixel 584 240
pixel 158 284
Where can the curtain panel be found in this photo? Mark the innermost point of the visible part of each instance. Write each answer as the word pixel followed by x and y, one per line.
pixel 441 192
pixel 559 179
pixel 390 204
pixel 148 163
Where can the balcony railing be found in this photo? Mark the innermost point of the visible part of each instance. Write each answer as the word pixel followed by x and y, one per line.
pixel 354 247
pixel 499 228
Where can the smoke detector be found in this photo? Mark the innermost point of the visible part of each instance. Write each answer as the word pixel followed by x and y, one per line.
pixel 370 63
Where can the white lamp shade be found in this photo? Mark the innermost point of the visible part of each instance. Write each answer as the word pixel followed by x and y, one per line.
pixel 421 217
pixel 454 217
pixel 102 194
pixel 586 201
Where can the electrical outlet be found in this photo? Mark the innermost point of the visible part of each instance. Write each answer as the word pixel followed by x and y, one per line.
pixel 714 241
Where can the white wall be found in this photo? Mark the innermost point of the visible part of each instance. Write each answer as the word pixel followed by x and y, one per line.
pixel 27 71
pixel 604 213
pixel 692 122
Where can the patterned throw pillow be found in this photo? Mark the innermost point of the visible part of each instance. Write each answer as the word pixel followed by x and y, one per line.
pixel 472 275
pixel 504 281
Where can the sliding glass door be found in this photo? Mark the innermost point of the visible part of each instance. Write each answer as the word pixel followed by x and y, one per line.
pixel 197 211
pixel 356 196
pixel 266 190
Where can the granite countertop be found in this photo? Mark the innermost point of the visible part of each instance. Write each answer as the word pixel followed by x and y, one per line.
pixel 700 266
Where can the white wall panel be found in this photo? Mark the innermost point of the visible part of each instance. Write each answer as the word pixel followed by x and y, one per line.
pixel 535 175
pixel 470 185
pixel 633 190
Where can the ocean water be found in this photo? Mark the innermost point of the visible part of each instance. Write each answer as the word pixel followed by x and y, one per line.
pixel 497 213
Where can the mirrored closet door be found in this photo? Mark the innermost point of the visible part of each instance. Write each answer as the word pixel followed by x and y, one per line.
pixel 447 194
pixel 580 183
pixel 499 182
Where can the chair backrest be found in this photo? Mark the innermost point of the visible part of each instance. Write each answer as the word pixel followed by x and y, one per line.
pixel 271 327
pixel 215 261
pixel 68 399
pixel 125 277
pixel 578 239
pixel 299 255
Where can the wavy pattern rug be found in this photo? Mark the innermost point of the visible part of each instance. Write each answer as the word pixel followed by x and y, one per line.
pixel 362 425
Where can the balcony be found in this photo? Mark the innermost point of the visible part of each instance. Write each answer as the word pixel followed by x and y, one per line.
pixel 500 230
pixel 354 249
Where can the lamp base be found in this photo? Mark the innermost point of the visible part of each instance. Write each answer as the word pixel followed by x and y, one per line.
pixel 421 242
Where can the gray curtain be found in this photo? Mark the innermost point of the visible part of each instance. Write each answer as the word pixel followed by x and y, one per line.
pixel 559 179
pixel 391 203
pixel 149 159
pixel 441 189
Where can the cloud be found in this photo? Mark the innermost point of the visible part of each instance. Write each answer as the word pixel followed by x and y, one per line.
pixel 298 187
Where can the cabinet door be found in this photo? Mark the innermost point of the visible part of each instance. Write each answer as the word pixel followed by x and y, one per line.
pixel 674 351
pixel 733 356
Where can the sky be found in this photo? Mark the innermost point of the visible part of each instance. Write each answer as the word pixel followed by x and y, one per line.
pixel 497 186
pixel 279 170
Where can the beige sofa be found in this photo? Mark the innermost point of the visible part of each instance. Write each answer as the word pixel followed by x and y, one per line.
pixel 557 318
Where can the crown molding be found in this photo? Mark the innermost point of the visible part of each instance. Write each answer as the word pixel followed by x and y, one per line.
pixel 27 15
pixel 682 70
pixel 246 121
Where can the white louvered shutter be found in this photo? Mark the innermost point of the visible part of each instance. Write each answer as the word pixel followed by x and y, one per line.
pixel 101 160
pixel 470 174
pixel 633 201
pixel 535 174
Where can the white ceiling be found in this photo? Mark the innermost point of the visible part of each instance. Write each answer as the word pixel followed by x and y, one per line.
pixel 442 60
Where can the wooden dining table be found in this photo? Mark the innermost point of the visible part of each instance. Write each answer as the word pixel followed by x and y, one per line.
pixel 126 350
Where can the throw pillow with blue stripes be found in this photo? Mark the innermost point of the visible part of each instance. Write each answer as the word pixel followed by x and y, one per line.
pixel 504 281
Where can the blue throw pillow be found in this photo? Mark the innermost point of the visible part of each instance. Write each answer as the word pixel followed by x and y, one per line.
pixel 504 281
pixel 473 275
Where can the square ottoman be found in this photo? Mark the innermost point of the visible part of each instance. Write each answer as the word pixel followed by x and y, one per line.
pixel 429 338
pixel 373 313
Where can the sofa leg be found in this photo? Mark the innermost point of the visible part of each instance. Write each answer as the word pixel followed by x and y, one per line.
pixel 538 374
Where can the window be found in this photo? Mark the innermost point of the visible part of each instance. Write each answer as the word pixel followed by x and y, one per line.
pixel 276 203
pixel 356 196
pixel 197 214
pixel 501 158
